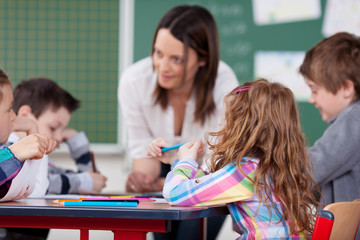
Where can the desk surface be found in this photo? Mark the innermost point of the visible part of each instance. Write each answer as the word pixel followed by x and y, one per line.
pixel 145 210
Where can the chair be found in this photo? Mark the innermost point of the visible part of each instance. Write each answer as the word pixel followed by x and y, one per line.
pixel 338 221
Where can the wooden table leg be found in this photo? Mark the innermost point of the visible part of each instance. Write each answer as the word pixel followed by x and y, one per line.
pixel 124 235
pixel 203 228
pixel 84 234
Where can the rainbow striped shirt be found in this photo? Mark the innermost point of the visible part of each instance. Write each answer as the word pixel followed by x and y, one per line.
pixel 188 185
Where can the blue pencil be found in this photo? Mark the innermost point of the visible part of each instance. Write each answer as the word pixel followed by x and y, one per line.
pixel 172 147
pixel 98 204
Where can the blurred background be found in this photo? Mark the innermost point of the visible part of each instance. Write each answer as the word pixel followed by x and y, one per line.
pixel 85 44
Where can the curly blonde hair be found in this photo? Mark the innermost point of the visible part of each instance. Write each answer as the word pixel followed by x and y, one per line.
pixel 262 121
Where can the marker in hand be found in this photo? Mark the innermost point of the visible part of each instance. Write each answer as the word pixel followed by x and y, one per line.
pixel 165 149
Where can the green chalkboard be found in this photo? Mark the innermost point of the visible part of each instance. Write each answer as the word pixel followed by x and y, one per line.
pixel 240 38
pixel 74 43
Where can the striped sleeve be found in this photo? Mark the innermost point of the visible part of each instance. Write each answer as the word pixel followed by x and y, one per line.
pixel 80 151
pixel 9 168
pixel 186 184
pixel 63 181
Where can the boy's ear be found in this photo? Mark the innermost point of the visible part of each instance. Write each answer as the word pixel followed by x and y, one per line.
pixel 25 111
pixel 349 90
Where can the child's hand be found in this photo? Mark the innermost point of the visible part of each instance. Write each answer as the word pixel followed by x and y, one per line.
pixel 68 133
pixel 99 181
pixel 33 146
pixel 190 150
pixel 24 124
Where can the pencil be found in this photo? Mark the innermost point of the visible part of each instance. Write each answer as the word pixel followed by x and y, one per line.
pixel 165 149
pixel 111 200
pixel 63 200
pixel 118 199
pixel 104 199
pixel 141 198
pixel 97 204
pixel 122 196
pixel 95 200
pixel 92 156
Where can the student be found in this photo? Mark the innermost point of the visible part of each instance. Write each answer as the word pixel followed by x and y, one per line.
pixel 332 71
pixel 260 167
pixel 50 106
pixel 30 147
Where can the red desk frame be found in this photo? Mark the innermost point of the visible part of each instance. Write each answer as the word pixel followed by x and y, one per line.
pixel 122 228
pixel 125 223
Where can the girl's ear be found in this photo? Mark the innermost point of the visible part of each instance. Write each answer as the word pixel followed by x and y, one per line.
pixel 25 111
pixel 349 90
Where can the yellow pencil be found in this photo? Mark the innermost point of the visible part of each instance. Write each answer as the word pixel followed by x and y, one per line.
pixel 122 196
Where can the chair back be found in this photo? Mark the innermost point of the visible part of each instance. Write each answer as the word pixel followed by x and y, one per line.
pixel 323 225
pixel 346 219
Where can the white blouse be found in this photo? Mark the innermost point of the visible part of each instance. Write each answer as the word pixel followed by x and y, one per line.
pixel 145 121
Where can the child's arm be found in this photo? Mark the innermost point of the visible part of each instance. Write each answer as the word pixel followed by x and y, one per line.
pixel 79 148
pixel 337 151
pixel 30 147
pixel 226 185
pixel 62 181
pixel 9 165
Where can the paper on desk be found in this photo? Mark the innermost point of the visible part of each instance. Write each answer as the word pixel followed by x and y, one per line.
pixel 24 183
pixel 42 180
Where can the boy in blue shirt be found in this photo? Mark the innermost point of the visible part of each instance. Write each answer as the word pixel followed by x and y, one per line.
pixel 332 71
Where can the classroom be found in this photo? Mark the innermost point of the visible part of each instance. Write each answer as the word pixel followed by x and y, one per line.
pixel 86 45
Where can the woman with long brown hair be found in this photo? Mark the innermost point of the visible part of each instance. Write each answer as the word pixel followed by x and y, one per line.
pixel 260 166
pixel 176 94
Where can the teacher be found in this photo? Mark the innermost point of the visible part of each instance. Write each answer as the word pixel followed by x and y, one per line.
pixel 176 94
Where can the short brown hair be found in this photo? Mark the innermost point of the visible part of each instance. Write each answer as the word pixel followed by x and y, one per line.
pixel 332 61
pixel 196 28
pixel 4 80
pixel 42 93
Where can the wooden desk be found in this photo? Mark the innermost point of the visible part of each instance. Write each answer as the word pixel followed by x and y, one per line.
pixel 124 222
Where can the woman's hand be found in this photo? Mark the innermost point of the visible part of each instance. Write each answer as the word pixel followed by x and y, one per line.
pixel 190 150
pixel 139 182
pixel 154 150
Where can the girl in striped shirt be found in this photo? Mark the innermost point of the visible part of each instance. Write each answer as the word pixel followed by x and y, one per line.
pixel 259 167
